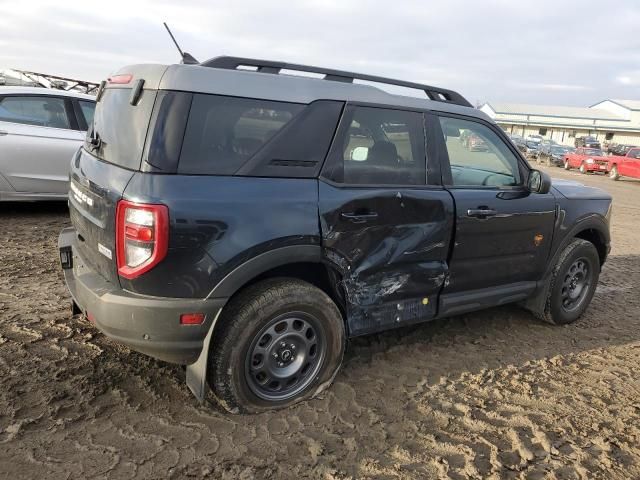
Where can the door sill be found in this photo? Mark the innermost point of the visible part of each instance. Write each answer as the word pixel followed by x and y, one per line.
pixel 471 300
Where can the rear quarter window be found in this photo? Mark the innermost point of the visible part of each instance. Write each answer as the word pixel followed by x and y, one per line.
pixel 223 133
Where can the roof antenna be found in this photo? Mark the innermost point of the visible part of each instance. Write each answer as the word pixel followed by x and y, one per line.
pixel 187 58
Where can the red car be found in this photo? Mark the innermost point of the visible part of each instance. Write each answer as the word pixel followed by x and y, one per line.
pixel 587 160
pixel 629 165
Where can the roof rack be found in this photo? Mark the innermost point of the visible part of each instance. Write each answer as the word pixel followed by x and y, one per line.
pixel 267 66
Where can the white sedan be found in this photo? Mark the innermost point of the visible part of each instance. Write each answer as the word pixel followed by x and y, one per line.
pixel 40 130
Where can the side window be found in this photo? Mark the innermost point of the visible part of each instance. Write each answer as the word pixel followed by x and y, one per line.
pixel 224 132
pixel 384 147
pixel 88 108
pixel 635 153
pixel 478 157
pixel 37 110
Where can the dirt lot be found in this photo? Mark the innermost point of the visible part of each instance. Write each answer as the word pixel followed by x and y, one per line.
pixel 493 394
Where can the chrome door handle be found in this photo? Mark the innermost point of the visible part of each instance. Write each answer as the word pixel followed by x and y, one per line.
pixel 481 212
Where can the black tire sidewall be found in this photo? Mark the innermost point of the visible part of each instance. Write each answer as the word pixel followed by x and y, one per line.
pixel 580 249
pixel 229 380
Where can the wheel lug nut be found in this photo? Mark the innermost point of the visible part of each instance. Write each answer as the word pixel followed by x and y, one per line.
pixel 293 347
pixel 282 344
pixel 275 355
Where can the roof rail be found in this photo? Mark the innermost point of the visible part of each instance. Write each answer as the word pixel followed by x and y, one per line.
pixel 267 66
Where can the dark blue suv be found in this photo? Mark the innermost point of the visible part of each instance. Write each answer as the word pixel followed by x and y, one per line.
pixel 245 221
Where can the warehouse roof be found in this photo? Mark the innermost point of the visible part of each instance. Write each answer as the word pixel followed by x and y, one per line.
pixel 554 111
pixel 630 104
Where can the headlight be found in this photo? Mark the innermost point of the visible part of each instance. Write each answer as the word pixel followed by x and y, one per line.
pixel 589 160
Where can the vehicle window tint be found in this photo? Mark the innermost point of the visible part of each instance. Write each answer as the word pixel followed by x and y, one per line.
pixel 634 154
pixel 383 146
pixel 120 128
pixel 41 111
pixel 88 108
pixel 224 132
pixel 477 155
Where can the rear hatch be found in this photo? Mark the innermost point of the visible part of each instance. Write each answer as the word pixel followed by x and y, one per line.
pixel 110 156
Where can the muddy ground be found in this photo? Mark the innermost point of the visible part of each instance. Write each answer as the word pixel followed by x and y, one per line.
pixel 493 394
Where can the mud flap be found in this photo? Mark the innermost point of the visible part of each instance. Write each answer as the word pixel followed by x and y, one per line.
pixel 197 372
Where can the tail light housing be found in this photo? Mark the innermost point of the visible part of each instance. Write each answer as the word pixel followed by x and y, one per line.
pixel 142 237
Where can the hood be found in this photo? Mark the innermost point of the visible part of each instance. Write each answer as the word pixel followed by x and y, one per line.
pixel 576 190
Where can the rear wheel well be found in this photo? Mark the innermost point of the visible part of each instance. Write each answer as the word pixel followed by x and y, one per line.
pixel 317 274
pixel 594 236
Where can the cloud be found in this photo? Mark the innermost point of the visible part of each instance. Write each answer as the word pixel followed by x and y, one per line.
pixel 629 79
pixel 552 86
pixel 497 50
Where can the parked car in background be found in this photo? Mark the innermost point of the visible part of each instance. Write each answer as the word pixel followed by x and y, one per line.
pixel 530 148
pixel 515 138
pixel 587 160
pixel 619 149
pixel 627 165
pixel 40 130
pixel 293 213
pixel 587 141
pixel 553 154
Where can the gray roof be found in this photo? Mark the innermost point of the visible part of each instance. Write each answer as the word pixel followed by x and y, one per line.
pixel 553 111
pixel 279 87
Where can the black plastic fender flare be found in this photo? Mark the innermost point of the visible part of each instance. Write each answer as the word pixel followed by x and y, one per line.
pixel 537 300
pixel 229 285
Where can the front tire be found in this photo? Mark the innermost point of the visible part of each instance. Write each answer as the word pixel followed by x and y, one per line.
pixel 573 283
pixel 583 169
pixel 566 165
pixel 613 174
pixel 280 341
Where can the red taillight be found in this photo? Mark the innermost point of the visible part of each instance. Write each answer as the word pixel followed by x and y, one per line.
pixel 142 237
pixel 192 318
pixel 120 79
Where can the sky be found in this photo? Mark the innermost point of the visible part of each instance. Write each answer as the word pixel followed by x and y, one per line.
pixel 548 52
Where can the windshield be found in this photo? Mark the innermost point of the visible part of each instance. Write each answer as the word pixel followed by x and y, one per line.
pixel 593 151
pixel 555 149
pixel 532 144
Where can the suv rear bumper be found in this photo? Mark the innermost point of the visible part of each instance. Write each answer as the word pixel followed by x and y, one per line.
pixel 150 325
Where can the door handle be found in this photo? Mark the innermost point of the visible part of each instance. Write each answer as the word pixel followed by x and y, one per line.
pixel 3 133
pixel 359 217
pixel 481 212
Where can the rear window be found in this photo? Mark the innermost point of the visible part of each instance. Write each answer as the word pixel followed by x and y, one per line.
pixel 120 128
pixel 224 132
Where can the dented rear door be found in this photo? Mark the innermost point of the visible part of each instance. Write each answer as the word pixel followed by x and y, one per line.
pixel 389 242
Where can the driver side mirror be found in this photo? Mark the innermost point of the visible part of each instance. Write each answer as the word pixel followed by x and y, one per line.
pixel 539 182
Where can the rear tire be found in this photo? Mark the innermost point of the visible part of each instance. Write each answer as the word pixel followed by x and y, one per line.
pixel 613 174
pixel 280 341
pixel 573 283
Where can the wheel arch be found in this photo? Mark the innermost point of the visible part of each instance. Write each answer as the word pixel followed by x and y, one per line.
pixel 592 229
pixel 304 262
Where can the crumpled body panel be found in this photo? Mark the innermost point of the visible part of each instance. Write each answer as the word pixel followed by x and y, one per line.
pixel 394 264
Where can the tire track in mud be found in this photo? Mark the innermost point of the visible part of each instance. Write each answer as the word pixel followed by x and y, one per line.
pixel 495 394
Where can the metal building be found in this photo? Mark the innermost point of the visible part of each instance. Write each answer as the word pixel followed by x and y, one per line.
pixel 610 121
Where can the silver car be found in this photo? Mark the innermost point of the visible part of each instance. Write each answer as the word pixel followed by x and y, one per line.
pixel 40 130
